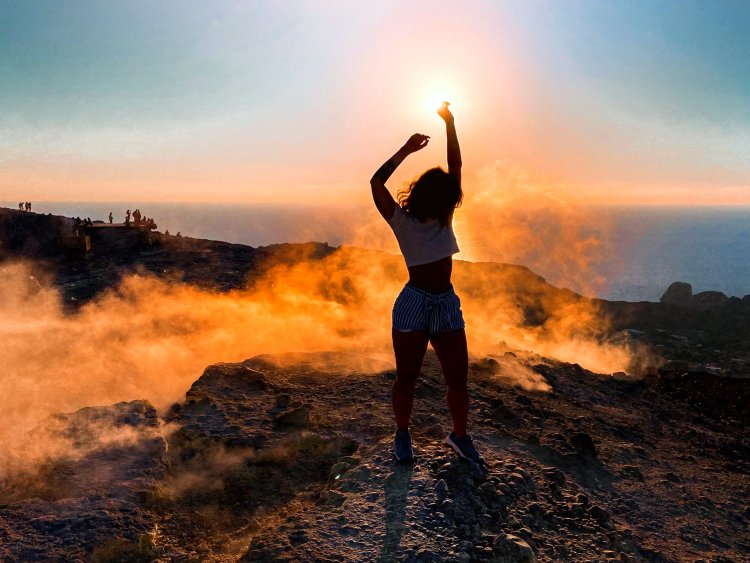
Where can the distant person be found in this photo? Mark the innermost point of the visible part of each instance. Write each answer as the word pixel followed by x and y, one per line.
pixel 427 310
pixel 127 217
pixel 28 206
pixel 166 233
pixel 111 218
pixel 20 205
pixel 178 234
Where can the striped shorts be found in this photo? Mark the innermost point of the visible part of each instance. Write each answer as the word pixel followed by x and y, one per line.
pixel 416 309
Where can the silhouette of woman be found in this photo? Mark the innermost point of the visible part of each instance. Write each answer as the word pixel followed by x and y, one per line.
pixel 427 309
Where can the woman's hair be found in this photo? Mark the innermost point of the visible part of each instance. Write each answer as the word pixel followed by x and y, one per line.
pixel 434 195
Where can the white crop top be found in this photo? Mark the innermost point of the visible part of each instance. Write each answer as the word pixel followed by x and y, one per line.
pixel 422 243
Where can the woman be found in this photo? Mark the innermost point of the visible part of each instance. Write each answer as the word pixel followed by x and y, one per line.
pixel 427 309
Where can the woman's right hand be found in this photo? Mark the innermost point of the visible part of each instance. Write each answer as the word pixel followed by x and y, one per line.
pixel 416 142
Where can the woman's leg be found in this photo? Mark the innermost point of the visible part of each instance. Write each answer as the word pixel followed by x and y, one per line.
pixel 410 348
pixel 452 352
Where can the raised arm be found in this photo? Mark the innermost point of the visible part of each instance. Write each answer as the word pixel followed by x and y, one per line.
pixel 383 199
pixel 454 151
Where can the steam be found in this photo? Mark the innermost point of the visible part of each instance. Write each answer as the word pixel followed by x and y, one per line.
pixel 148 338
pixel 518 217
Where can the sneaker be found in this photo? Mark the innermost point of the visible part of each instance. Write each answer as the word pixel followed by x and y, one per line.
pixel 464 447
pixel 402 446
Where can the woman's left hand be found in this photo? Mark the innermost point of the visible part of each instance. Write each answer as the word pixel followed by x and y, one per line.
pixel 444 112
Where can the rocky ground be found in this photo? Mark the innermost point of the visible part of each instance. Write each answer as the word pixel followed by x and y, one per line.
pixel 289 459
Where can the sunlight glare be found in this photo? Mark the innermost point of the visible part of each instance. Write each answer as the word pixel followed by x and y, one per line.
pixel 432 88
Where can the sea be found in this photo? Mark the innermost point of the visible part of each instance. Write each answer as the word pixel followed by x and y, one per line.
pixel 649 247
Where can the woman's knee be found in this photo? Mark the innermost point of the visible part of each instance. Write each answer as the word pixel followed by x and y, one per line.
pixel 408 379
pixel 457 381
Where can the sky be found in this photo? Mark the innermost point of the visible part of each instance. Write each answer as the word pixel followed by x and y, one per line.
pixel 300 101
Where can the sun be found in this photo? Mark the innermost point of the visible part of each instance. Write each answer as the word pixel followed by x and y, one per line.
pixel 435 94
pixel 427 89
pixel 434 89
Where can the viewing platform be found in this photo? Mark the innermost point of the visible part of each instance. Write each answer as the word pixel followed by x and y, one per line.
pixel 107 237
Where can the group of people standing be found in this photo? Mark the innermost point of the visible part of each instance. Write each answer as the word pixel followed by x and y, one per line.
pixel 138 218
pixel 24 206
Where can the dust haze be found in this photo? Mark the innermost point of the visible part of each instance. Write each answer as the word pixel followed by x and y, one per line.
pixel 150 339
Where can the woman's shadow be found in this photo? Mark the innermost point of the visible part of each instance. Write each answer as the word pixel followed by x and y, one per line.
pixel 396 494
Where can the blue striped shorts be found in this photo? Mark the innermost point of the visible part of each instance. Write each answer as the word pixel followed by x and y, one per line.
pixel 416 309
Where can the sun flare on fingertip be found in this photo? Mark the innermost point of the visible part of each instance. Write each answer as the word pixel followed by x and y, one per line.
pixel 437 102
pixel 434 101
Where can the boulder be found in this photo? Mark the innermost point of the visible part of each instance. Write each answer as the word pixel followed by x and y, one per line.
pixel 508 548
pixel 707 300
pixel 679 293
pixel 295 418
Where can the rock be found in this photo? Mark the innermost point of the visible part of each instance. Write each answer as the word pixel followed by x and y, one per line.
pixel 555 475
pixel 236 376
pixel 441 490
pixel 337 470
pixel 465 545
pixel 335 498
pixel 283 400
pixel 488 489
pixel 678 293
pixel 295 418
pixel 518 483
pixel 577 509
pixel 355 479
pixel 508 548
pixel 298 537
pixel 707 300
pixel 435 431
pixel 631 472
pixel 599 514
pixel 525 534
pixel 505 489
pixel 536 510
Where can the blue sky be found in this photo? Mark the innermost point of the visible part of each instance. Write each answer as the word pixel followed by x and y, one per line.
pixel 257 100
